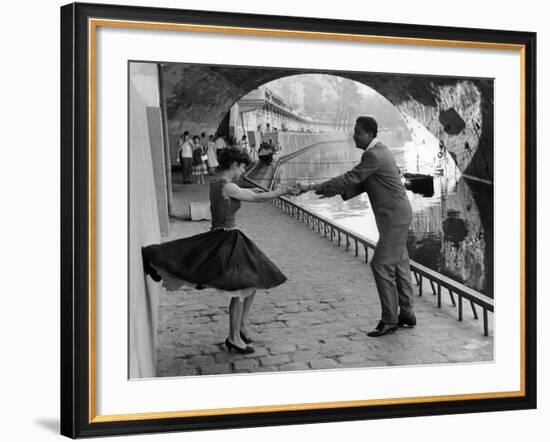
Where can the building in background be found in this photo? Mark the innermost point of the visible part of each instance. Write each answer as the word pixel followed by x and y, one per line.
pixel 264 110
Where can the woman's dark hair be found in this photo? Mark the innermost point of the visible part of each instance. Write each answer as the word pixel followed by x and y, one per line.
pixel 368 124
pixel 231 155
pixel 196 137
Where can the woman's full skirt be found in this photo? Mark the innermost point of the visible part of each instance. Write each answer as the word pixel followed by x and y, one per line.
pixel 223 259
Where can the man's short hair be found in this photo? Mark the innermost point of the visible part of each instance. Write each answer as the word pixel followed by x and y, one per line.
pixel 368 124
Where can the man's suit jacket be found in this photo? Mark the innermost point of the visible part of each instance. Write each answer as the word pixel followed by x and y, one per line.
pixel 378 175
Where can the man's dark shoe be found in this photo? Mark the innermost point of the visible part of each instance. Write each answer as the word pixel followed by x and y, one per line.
pixel 382 329
pixel 407 321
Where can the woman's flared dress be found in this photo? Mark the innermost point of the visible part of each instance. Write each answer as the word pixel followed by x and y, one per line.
pixel 223 258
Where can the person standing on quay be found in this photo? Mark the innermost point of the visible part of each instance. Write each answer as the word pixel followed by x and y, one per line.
pixel 378 175
pixel 211 154
pixel 185 157
pixel 243 143
pixel 204 141
pixel 220 145
pixel 199 167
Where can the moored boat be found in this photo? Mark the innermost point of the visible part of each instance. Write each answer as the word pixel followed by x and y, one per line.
pixel 419 183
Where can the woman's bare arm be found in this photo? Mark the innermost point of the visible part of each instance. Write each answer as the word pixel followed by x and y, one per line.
pixel 233 191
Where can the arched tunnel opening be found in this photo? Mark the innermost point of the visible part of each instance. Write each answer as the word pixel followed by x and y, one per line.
pixel 425 119
pixel 309 102
pixel 457 111
pixel 326 103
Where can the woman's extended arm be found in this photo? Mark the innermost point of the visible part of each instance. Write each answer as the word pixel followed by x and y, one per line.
pixel 234 191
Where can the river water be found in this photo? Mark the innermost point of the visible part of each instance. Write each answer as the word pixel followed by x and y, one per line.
pixel 451 231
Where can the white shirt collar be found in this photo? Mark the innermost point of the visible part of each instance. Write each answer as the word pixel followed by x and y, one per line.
pixel 372 143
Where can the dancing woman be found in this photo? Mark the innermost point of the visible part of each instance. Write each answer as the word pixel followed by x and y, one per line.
pixel 223 258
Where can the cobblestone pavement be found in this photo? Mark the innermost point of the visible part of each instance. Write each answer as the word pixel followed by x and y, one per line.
pixel 318 319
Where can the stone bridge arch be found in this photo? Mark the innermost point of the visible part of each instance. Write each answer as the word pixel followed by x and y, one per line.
pixel 456 110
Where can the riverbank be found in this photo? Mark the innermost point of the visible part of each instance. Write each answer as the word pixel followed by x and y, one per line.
pixel 451 231
pixel 318 319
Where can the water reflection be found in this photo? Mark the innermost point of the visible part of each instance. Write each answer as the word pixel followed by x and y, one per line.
pixel 451 231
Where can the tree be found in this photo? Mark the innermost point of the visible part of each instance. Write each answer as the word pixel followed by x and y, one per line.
pixel 313 98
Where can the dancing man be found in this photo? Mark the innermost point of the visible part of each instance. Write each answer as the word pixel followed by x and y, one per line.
pixel 378 175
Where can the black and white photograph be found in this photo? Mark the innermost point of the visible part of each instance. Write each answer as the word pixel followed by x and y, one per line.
pixel 285 219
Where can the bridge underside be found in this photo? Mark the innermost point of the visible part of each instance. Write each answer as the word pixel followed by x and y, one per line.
pixel 457 111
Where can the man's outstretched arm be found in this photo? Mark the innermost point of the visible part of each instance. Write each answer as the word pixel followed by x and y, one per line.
pixel 347 185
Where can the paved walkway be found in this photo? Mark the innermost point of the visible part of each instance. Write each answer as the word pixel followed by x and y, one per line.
pixel 318 319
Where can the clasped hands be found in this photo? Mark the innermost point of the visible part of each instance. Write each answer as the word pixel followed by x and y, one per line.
pixel 295 189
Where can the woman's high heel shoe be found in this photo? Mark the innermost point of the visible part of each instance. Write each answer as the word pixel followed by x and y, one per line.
pixel 246 339
pixel 230 346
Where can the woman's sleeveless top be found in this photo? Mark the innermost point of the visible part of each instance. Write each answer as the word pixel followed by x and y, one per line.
pixel 223 209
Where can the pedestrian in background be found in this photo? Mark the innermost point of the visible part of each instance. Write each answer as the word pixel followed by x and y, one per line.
pixel 204 140
pixel 185 157
pixel 211 154
pixel 220 145
pixel 243 143
pixel 199 166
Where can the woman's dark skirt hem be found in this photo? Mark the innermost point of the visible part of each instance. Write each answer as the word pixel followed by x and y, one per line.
pixel 223 259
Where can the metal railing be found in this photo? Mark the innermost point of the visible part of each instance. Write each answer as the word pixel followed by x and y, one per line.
pixel 437 281
pixel 292 155
pixel 354 241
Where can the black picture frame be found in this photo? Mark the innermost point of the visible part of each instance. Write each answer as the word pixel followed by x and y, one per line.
pixel 77 418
